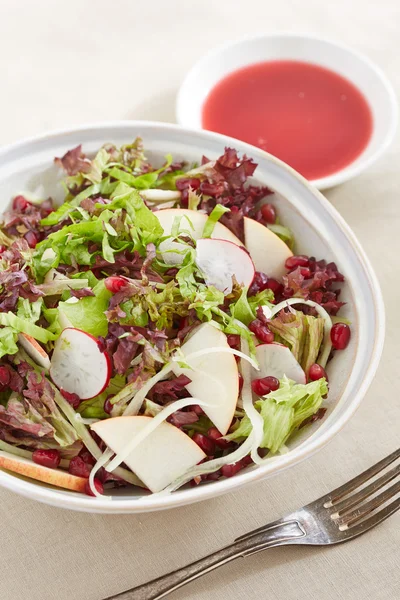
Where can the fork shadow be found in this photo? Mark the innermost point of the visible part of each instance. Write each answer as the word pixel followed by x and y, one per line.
pixel 155 108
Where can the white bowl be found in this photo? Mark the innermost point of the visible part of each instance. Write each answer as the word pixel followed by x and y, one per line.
pixel 350 64
pixel 320 231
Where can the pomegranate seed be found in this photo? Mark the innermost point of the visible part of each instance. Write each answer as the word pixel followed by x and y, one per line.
pixel 230 470
pixel 259 387
pixel 2 249
pixel 79 467
pixel 205 443
pixel 47 458
pixel 240 382
pixel 268 213
pixel 261 331
pixel 107 405
pixel 97 484
pixel 316 372
pixel 20 203
pixel 340 336
pixel 305 271
pixel 190 182
pixel 115 284
pixel 73 399
pixel 296 261
pixel 233 340
pixel 4 376
pixel 31 238
pixel 216 436
pixel 271 382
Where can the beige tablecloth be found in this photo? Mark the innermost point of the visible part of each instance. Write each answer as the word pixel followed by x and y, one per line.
pixel 63 63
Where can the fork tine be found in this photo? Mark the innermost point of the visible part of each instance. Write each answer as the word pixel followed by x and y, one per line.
pixel 362 511
pixel 374 520
pixel 355 483
pixel 355 499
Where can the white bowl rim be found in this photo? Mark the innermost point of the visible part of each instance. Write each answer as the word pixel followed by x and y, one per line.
pixel 345 173
pixel 159 502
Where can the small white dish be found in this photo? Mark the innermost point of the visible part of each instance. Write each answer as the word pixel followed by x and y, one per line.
pixel 362 72
pixel 319 230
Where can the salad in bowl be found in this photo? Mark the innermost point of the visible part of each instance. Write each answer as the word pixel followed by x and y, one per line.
pixel 157 329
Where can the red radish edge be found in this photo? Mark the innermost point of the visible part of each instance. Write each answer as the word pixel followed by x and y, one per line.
pixel 106 356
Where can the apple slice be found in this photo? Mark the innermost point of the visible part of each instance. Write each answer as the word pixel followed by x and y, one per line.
pixel 35 350
pixel 192 221
pixel 267 250
pixel 276 360
pixel 26 467
pixel 220 260
pixel 165 454
pixel 214 376
pixel 78 364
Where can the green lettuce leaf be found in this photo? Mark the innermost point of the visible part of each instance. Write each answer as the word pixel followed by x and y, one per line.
pixel 29 310
pixel 94 408
pixel 20 325
pixel 284 233
pixel 245 308
pixel 283 412
pixel 8 341
pixel 213 218
pixel 88 313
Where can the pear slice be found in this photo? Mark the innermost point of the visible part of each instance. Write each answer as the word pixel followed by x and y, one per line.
pixel 165 454
pixel 267 250
pixel 214 376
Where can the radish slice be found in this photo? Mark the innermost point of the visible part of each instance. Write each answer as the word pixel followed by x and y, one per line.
pixel 220 260
pixel 191 221
pixel 277 360
pixel 78 366
pixel 35 350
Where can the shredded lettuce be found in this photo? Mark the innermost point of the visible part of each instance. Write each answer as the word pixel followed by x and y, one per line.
pixel 213 218
pixel 303 334
pixel 283 412
pixel 20 325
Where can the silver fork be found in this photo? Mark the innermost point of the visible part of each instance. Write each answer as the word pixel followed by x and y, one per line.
pixel 341 515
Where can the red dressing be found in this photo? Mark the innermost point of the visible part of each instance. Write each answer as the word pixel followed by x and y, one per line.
pixel 310 117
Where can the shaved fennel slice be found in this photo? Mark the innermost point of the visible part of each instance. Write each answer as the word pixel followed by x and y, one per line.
pixel 101 462
pixel 157 420
pixel 211 466
pixel 215 350
pixel 137 399
pixel 256 419
pixel 326 343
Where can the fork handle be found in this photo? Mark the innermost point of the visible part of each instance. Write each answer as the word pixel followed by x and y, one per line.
pixel 277 534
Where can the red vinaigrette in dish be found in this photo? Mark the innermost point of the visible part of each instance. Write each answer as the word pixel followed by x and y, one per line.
pixel 312 118
pixel 156 328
